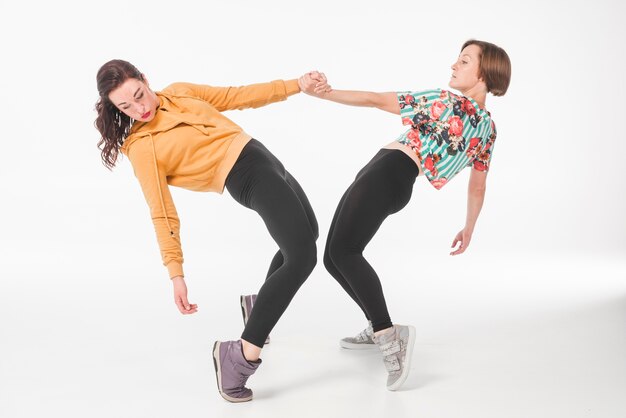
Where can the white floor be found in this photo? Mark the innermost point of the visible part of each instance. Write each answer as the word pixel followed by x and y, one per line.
pixel 526 337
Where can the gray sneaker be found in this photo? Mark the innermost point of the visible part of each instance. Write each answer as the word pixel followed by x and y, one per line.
pixel 362 341
pixel 247 303
pixel 232 371
pixel 397 349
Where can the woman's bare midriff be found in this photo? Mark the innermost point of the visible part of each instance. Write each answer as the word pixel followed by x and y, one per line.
pixel 408 151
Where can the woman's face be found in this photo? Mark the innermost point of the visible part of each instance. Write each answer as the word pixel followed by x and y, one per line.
pixel 135 99
pixel 465 69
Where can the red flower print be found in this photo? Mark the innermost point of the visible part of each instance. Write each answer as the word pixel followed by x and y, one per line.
pixel 413 135
pixel 437 109
pixel 480 166
pixel 468 107
pixel 429 163
pixel 439 183
pixel 407 121
pixel 409 99
pixel 416 144
pixel 474 147
pixel 443 94
pixel 456 126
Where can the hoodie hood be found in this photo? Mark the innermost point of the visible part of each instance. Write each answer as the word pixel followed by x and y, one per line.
pixel 173 110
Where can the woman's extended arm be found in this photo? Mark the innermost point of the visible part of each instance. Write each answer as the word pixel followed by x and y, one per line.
pixel 316 84
pixel 475 197
pixel 243 97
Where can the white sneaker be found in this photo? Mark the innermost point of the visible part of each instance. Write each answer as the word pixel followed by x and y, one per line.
pixel 397 349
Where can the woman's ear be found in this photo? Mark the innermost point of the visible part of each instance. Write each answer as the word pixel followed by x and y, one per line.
pixel 481 79
pixel 480 75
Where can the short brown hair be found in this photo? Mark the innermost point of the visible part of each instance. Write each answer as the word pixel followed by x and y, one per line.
pixel 495 66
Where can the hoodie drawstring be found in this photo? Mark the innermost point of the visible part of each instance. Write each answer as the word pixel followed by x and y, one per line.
pixel 158 180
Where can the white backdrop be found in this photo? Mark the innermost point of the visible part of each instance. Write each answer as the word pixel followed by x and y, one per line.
pixel 76 236
pixel 556 183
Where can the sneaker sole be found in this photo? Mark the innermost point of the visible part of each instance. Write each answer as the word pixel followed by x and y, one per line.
pixel 218 374
pixel 355 346
pixel 407 361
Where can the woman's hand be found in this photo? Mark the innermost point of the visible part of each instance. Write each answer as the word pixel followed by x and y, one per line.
pixel 463 237
pixel 314 83
pixel 475 197
pixel 322 85
pixel 180 297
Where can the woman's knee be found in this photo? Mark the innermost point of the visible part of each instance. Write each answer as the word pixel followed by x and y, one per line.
pixel 337 252
pixel 303 257
pixel 329 264
pixel 311 256
pixel 315 229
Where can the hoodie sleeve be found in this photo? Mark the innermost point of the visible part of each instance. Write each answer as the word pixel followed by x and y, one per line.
pixel 230 98
pixel 162 210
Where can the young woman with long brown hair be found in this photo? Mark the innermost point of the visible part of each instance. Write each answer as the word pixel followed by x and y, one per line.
pixel 179 137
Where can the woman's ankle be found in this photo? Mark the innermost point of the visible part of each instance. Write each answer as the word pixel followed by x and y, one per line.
pixel 250 351
pixel 383 331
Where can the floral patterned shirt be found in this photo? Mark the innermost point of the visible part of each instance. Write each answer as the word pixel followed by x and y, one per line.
pixel 447 132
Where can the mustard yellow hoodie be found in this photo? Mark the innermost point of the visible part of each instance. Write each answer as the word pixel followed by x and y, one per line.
pixel 190 144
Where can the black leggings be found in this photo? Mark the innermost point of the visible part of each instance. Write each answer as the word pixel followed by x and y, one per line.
pixel 259 181
pixel 382 187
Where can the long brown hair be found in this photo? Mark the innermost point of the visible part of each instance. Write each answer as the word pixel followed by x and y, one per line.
pixel 112 124
pixel 495 66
